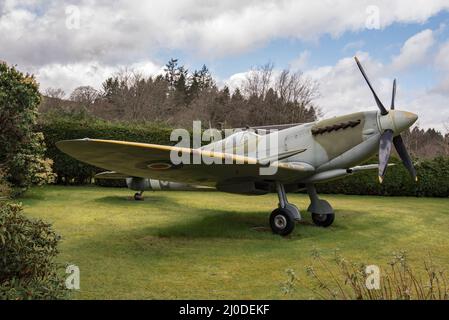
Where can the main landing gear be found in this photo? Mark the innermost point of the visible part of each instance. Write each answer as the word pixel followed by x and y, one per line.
pixel 283 219
pixel 322 212
pixel 138 196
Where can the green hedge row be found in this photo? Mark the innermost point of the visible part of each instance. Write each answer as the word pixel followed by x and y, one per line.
pixel 433 181
pixel 433 174
pixel 71 171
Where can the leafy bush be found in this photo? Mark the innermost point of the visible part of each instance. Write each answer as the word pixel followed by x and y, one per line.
pixel 21 154
pixel 28 249
pixel 38 169
pixel 76 126
pixel 5 187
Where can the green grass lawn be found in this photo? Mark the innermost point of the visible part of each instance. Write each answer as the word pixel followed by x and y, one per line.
pixel 204 245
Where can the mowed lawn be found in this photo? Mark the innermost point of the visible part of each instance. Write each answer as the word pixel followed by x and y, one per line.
pixel 210 245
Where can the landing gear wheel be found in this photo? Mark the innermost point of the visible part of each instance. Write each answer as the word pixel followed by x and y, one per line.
pixel 282 221
pixel 138 196
pixel 323 220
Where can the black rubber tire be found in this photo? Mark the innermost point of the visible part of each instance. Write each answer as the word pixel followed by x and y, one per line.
pixel 282 222
pixel 323 220
pixel 138 197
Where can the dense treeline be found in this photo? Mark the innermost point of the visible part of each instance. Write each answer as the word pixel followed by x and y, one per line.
pixel 178 97
pixel 426 144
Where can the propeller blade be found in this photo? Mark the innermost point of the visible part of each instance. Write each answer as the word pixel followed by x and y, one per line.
pixel 393 97
pixel 406 160
pixel 382 109
pixel 384 152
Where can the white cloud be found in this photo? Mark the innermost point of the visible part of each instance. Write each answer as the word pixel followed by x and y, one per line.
pixel 117 33
pixel 431 107
pixel 415 50
pixel 301 61
pixel 442 57
pixel 441 64
pixel 70 76
pixel 343 90
pixel 355 45
pixel 120 31
pixel 236 80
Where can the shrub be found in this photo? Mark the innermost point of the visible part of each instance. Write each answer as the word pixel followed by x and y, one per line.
pixel 22 150
pixel 28 249
pixel 433 181
pixel 5 188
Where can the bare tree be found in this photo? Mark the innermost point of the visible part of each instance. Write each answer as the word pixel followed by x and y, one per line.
pixel 284 98
pixel 56 93
pixel 258 81
pixel 84 95
pixel 136 98
pixel 52 100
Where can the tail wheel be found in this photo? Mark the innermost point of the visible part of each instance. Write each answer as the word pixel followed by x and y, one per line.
pixel 138 196
pixel 323 220
pixel 282 221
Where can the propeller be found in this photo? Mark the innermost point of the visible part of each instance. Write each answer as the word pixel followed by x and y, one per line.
pixel 382 109
pixel 393 95
pixel 387 138
pixel 384 152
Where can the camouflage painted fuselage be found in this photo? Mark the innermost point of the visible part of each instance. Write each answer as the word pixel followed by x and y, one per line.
pixel 332 146
pixel 339 142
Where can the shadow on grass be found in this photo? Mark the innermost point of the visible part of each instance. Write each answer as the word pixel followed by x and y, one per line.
pixel 255 225
pixel 151 201
pixel 218 224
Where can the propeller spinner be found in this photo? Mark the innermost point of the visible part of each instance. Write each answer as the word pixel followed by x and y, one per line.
pixel 392 123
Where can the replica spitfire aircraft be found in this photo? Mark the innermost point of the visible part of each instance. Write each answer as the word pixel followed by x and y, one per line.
pixel 305 155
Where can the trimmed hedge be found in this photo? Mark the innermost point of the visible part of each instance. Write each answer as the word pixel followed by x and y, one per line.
pixel 433 181
pixel 71 171
pixel 433 174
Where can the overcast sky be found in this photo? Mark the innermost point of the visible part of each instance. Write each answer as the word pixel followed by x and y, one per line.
pixel 72 43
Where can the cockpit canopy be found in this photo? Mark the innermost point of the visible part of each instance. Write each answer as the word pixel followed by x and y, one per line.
pixel 236 139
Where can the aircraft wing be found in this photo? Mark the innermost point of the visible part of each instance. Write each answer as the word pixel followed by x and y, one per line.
pixel 153 161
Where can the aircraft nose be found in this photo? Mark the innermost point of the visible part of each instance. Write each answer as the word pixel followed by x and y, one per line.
pixel 403 120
